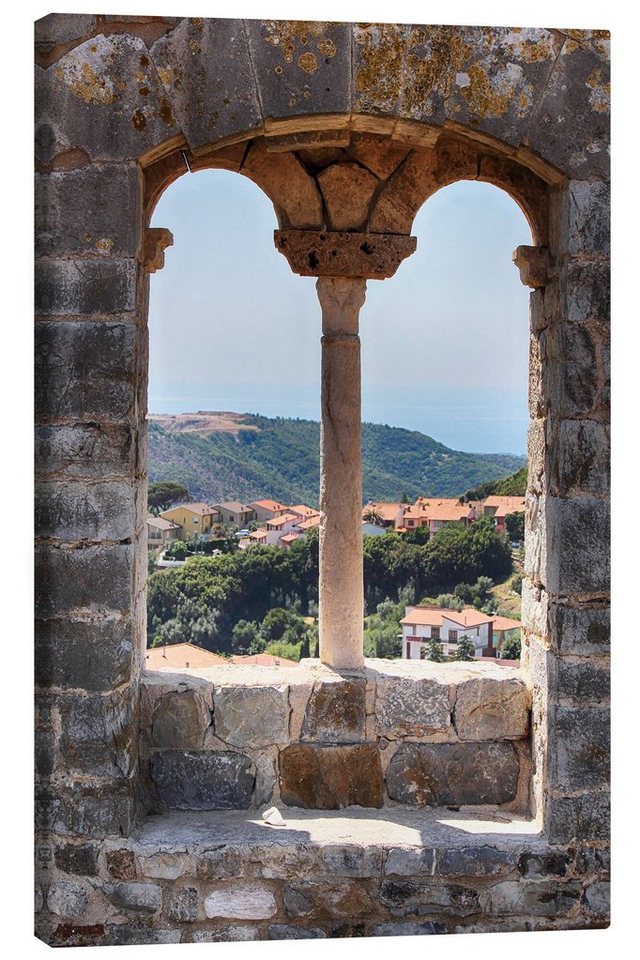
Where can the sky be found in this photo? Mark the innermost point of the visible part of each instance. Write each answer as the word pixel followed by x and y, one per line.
pixel 444 341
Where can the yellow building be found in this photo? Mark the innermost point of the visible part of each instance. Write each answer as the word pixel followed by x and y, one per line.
pixel 193 518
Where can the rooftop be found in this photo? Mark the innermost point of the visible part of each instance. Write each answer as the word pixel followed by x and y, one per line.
pixel 177 656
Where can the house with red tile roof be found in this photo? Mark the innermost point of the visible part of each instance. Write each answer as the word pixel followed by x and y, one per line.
pixel 499 507
pixel 422 624
pixel 181 656
pixel 267 509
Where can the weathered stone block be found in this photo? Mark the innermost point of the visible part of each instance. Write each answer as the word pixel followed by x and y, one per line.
pixel 145 898
pixel 378 66
pixel 250 901
pixel 578 547
pixel 251 716
pixel 183 906
pixel 583 459
pixel 408 707
pixel 538 866
pixel 347 189
pixel 406 897
pixel 440 774
pixel 583 681
pixel 86 654
pixel 67 899
pixel 593 860
pixel 102 358
pixel 488 709
pixel 98 734
pixel 582 629
pixel 125 934
pixel 165 866
pixel 301 68
pixel 535 608
pixel 410 861
pixel 85 287
pixel 479 861
pixel 235 933
pixel 75 510
pixel 589 204
pixel 80 858
pixel 579 746
pixel 335 712
pixel 96 579
pixel 180 721
pixel 58 28
pixel 292 190
pixel 584 817
pixel 104 97
pixel 287 931
pixel 121 864
pixel 84 809
pixel 578 89
pixel 311 898
pixel 86 451
pixel 597 898
pixel 351 860
pixel 203 780
pixel 328 778
pixel 408 929
pixel 206 71
pixel 92 211
pixel 221 864
pixel 540 899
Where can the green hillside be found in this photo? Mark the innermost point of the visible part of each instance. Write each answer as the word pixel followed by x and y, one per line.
pixel 515 485
pixel 258 457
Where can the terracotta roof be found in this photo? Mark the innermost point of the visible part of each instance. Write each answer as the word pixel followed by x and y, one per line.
pixel 289 537
pixel 302 510
pixel 234 507
pixel 505 623
pixel 280 521
pixel 447 512
pixel 267 505
pixel 505 505
pixel 177 656
pixel 386 511
pixel 259 534
pixel 265 660
pixel 437 501
pixel 163 524
pixel 309 523
pixel 201 508
pixel 434 616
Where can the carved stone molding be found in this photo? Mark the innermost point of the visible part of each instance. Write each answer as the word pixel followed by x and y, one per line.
pixel 156 240
pixel 533 264
pixel 371 256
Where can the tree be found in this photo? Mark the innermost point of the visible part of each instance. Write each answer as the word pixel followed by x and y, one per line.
pixel 244 636
pixel 435 653
pixel 372 516
pixel 512 647
pixel 466 649
pixel 514 523
pixel 162 494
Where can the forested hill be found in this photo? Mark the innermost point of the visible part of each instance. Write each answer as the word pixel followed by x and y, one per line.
pixel 223 456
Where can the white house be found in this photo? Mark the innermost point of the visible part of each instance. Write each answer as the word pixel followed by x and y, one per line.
pixel 421 624
pixel 277 527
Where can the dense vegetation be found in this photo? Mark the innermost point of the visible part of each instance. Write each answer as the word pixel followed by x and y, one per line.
pixel 225 603
pixel 515 485
pixel 279 458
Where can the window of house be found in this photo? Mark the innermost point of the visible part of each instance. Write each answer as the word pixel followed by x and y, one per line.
pixel 453 636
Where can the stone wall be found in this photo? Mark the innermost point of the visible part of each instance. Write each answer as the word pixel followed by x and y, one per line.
pixel 416 734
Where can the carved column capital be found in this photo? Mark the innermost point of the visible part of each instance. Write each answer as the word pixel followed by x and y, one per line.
pixel 329 253
pixel 156 240
pixel 533 264
pixel 341 299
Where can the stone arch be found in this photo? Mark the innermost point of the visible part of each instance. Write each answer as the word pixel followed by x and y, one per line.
pixel 121 101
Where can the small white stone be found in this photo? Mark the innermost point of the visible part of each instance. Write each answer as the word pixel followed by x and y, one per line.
pixel 241 903
pixel 273 817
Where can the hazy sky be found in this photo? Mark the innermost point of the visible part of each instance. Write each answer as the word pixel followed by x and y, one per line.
pixel 444 342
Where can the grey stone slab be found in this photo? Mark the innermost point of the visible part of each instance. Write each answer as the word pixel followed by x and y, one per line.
pixel 96 286
pixel 579 746
pixel 409 929
pixel 81 809
pixel 406 897
pixel 183 906
pixel 62 28
pixel 578 547
pixel 75 510
pixel 98 735
pixel 539 899
pixel 251 901
pixel 77 858
pixel 206 71
pixel 379 57
pixel 577 91
pixel 85 370
pixel 543 864
pixel 125 934
pixel 90 655
pixel 319 899
pixel 583 682
pixel 583 460
pixel 583 817
pixel 145 898
pixel 585 289
pixel 92 211
pixel 180 721
pixel 103 97
pixel 489 709
pixel 203 780
pixel 581 629
pixel 335 712
pixel 466 773
pixel 230 933
pixel 96 579
pixel 411 707
pixel 589 213
pixel 94 451
pixel 251 716
pixel 67 899
pixel 597 898
pixel 301 67
pixel 289 931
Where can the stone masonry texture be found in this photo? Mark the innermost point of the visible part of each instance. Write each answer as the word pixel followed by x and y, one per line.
pixel 348 129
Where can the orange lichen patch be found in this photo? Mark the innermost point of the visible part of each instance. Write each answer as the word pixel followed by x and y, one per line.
pixel 380 77
pixel 600 92
pixel 437 73
pixel 66 160
pixel 482 98
pixel 104 245
pixel 139 120
pixel 327 48
pixel 308 63
pixel 85 82
pixel 166 112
